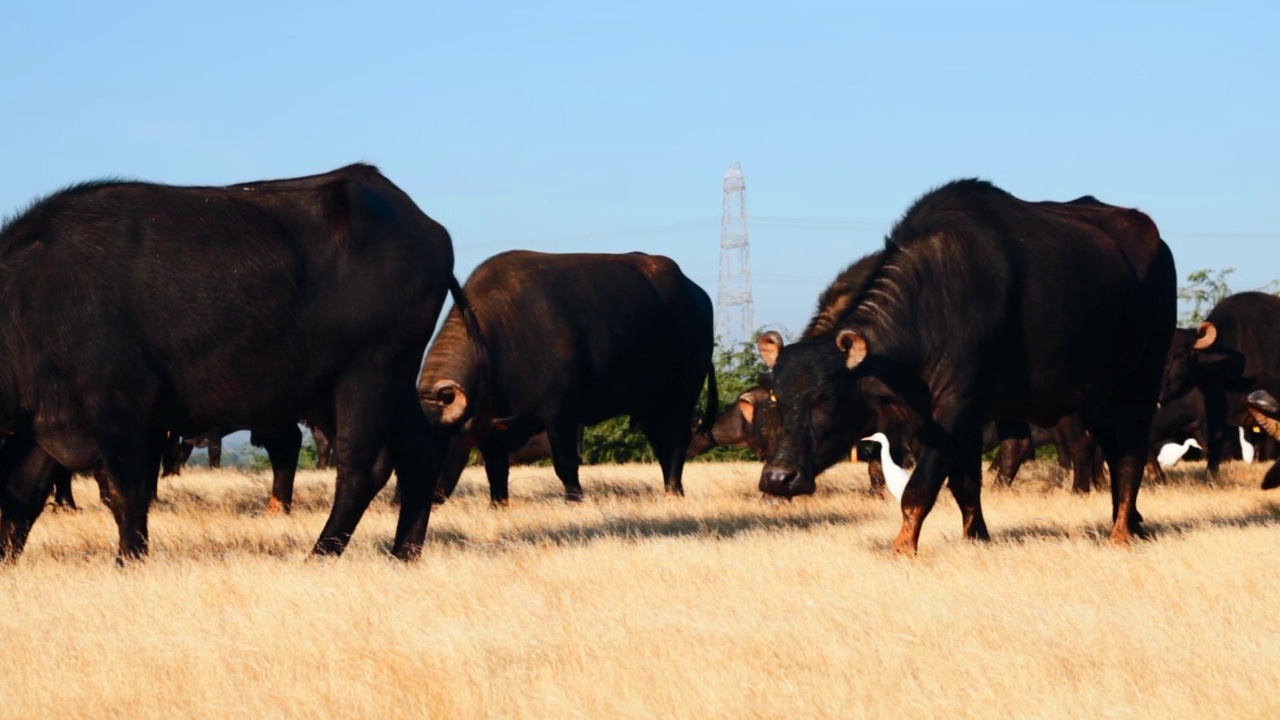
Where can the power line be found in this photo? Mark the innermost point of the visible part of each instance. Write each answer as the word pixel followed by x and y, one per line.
pixel 1222 235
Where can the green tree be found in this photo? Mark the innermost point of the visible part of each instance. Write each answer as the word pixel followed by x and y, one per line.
pixel 1203 290
pixel 308 455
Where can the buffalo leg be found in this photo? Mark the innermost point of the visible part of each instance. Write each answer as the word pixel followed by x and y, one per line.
pixel 1084 453
pixel 919 496
pixel 1012 453
pixel 1083 450
pixel 455 461
pixel 935 462
pixel 1125 446
pixel 669 438
pixel 497 469
pixel 415 451
pixel 1271 480
pixel 383 467
pixel 965 483
pixel 563 435
pixel 1155 473
pixel 1015 448
pixel 324 449
pixel 132 467
pixel 283 447
pixel 215 453
pixel 875 472
pixel 63 498
pixel 29 474
pixel 364 427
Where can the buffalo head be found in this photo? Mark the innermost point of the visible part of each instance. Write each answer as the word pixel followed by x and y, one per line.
pixel 1182 370
pixel 819 409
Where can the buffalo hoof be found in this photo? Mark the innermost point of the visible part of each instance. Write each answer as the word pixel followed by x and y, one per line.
pixel 976 530
pixel 903 548
pixel 501 503
pixel 573 496
pixel 1123 537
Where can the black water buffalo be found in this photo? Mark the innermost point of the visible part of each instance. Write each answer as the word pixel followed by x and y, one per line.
pixel 133 308
pixel 746 423
pixel 283 444
pixel 752 422
pixel 212 443
pixel 1235 352
pixel 556 342
pixel 983 306
pixel 283 447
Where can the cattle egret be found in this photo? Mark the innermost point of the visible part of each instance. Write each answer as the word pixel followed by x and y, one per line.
pixel 894 477
pixel 1170 454
pixel 1246 447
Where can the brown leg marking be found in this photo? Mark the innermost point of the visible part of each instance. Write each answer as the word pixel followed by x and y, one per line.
pixel 908 539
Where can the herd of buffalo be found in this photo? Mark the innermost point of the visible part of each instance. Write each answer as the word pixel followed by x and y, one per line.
pixel 141 319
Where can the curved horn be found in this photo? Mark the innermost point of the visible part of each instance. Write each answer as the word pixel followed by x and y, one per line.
pixel 747 406
pixel 854 346
pixel 1269 425
pixel 769 345
pixel 449 400
pixel 1206 335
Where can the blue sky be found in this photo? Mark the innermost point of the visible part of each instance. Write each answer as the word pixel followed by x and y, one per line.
pixel 534 124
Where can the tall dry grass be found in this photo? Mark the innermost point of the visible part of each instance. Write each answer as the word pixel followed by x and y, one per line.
pixel 633 604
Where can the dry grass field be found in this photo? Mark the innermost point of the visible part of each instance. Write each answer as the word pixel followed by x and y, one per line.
pixel 638 605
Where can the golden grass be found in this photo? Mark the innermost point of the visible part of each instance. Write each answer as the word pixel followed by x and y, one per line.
pixel 638 605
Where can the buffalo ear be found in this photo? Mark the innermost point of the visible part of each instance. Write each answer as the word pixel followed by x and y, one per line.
pixel 1206 334
pixel 854 347
pixel 770 344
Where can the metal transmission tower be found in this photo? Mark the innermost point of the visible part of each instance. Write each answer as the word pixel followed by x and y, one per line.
pixel 735 312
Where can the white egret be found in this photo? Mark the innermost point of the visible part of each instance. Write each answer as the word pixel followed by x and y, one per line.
pixel 1171 453
pixel 894 477
pixel 1246 447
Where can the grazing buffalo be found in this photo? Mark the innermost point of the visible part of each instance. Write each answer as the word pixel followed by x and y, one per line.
pixel 984 306
pixel 557 342
pixel 751 422
pixel 845 439
pixel 134 308
pixel 1235 352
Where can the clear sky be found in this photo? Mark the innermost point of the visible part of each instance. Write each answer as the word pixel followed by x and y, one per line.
pixel 599 126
